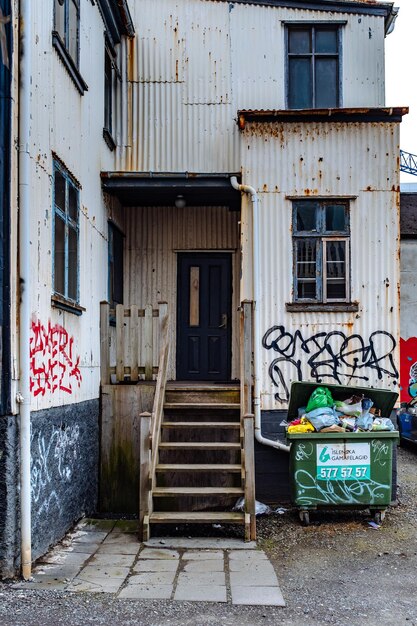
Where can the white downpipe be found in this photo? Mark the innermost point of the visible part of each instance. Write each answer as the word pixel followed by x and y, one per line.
pixel 25 63
pixel 256 326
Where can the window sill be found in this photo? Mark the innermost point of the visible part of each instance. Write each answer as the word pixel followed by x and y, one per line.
pixel 67 60
pixel 333 307
pixel 59 302
pixel 111 144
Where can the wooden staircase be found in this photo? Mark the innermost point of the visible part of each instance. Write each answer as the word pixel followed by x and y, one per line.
pixel 197 457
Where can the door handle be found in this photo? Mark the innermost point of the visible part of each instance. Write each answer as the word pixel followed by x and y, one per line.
pixel 224 321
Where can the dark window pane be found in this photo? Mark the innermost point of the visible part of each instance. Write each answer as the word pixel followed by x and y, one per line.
pixel 72 263
pixel 59 254
pixel 299 41
pixel 300 84
pixel 73 31
pixel 336 217
pixel 108 93
pixel 326 40
pixel 73 203
pixel 115 265
pixel 326 83
pixel 306 218
pixel 59 18
pixel 306 290
pixel 60 191
pixel 336 290
pixel 306 259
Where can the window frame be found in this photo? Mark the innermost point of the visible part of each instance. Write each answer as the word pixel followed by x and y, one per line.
pixel 110 79
pixel 69 223
pixel 321 236
pixel 312 26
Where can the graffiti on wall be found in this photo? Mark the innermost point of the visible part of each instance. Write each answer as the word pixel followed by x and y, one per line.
pixel 53 364
pixel 408 369
pixel 331 357
pixel 54 457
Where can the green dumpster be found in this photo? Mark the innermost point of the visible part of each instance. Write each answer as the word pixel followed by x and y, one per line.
pixel 343 469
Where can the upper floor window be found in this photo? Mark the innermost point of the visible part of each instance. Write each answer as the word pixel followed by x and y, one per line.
pixel 67 25
pixel 313 53
pixel 110 78
pixel 115 265
pixel 66 229
pixel 321 237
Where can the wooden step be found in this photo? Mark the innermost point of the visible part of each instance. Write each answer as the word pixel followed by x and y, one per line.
pixel 226 425
pixel 198 445
pixel 197 491
pixel 197 517
pixel 202 406
pixel 198 467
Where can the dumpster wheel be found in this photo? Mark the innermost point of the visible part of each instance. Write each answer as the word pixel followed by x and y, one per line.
pixel 304 517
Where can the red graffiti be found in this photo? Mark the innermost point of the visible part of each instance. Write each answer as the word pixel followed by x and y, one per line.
pixel 408 369
pixel 52 364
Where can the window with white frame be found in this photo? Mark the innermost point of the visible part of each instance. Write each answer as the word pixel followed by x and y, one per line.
pixel 321 238
pixel 313 66
pixel 66 234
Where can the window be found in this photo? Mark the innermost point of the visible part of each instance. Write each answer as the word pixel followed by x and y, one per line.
pixel 67 25
pixel 66 229
pixel 313 66
pixel 65 39
pixel 115 265
pixel 321 251
pixel 109 85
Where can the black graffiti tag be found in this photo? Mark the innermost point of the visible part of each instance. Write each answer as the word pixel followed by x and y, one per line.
pixel 333 356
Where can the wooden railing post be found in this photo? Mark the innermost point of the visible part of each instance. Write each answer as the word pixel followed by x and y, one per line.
pixel 148 347
pixel 104 343
pixel 250 518
pixel 134 344
pixel 144 477
pixel 120 351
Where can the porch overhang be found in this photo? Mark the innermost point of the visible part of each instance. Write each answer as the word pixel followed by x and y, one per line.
pixel 162 189
pixel 347 115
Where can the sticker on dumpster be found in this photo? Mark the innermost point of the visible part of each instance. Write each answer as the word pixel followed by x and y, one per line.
pixel 344 461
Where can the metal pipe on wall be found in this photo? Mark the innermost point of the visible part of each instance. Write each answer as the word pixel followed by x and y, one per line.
pixel 25 52
pixel 256 327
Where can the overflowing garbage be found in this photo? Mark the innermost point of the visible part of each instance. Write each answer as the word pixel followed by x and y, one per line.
pixel 324 414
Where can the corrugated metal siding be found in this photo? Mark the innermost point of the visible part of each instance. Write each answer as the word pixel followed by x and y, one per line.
pixel 154 235
pixel 194 64
pixel 329 160
pixel 408 288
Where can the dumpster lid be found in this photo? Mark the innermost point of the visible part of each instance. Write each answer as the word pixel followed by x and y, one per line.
pixel 300 393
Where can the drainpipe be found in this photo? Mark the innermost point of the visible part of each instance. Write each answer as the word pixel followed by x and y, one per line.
pixel 256 326
pixel 25 52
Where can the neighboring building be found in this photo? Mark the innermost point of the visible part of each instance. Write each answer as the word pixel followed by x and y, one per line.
pixel 408 373
pixel 139 122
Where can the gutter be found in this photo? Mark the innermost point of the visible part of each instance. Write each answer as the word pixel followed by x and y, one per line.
pixel 390 20
pixel 23 397
pixel 256 327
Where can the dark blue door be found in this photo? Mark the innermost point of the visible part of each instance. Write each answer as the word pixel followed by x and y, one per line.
pixel 204 316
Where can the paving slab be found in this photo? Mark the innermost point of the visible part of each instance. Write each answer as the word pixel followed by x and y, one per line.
pixel 117 560
pixel 45 582
pixel 102 586
pixel 88 537
pixel 202 543
pixel 208 593
pixel 152 578
pixel 90 524
pixel 121 538
pixel 93 572
pixel 255 596
pixel 119 548
pixel 198 579
pixel 146 592
pixel 255 566
pixel 251 555
pixel 202 555
pixel 149 553
pixel 204 566
pixel 247 578
pixel 156 565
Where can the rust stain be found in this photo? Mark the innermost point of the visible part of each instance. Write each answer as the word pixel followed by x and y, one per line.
pixel 265 188
pixel 130 59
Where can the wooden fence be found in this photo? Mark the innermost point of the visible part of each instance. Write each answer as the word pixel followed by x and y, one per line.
pixel 129 342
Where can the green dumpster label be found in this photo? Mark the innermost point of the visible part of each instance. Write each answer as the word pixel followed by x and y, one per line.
pixel 344 461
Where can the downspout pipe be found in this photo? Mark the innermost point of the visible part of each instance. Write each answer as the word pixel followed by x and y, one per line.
pixel 256 326
pixel 25 63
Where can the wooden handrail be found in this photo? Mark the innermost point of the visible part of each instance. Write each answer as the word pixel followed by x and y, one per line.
pixel 247 418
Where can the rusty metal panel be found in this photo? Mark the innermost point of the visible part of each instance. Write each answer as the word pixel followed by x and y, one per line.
pixel 153 237
pixel 328 160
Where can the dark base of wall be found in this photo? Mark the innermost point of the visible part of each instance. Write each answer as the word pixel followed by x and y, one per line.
pixel 272 481
pixel 64 477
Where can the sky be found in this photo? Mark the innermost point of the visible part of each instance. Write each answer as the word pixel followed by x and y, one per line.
pixel 400 67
